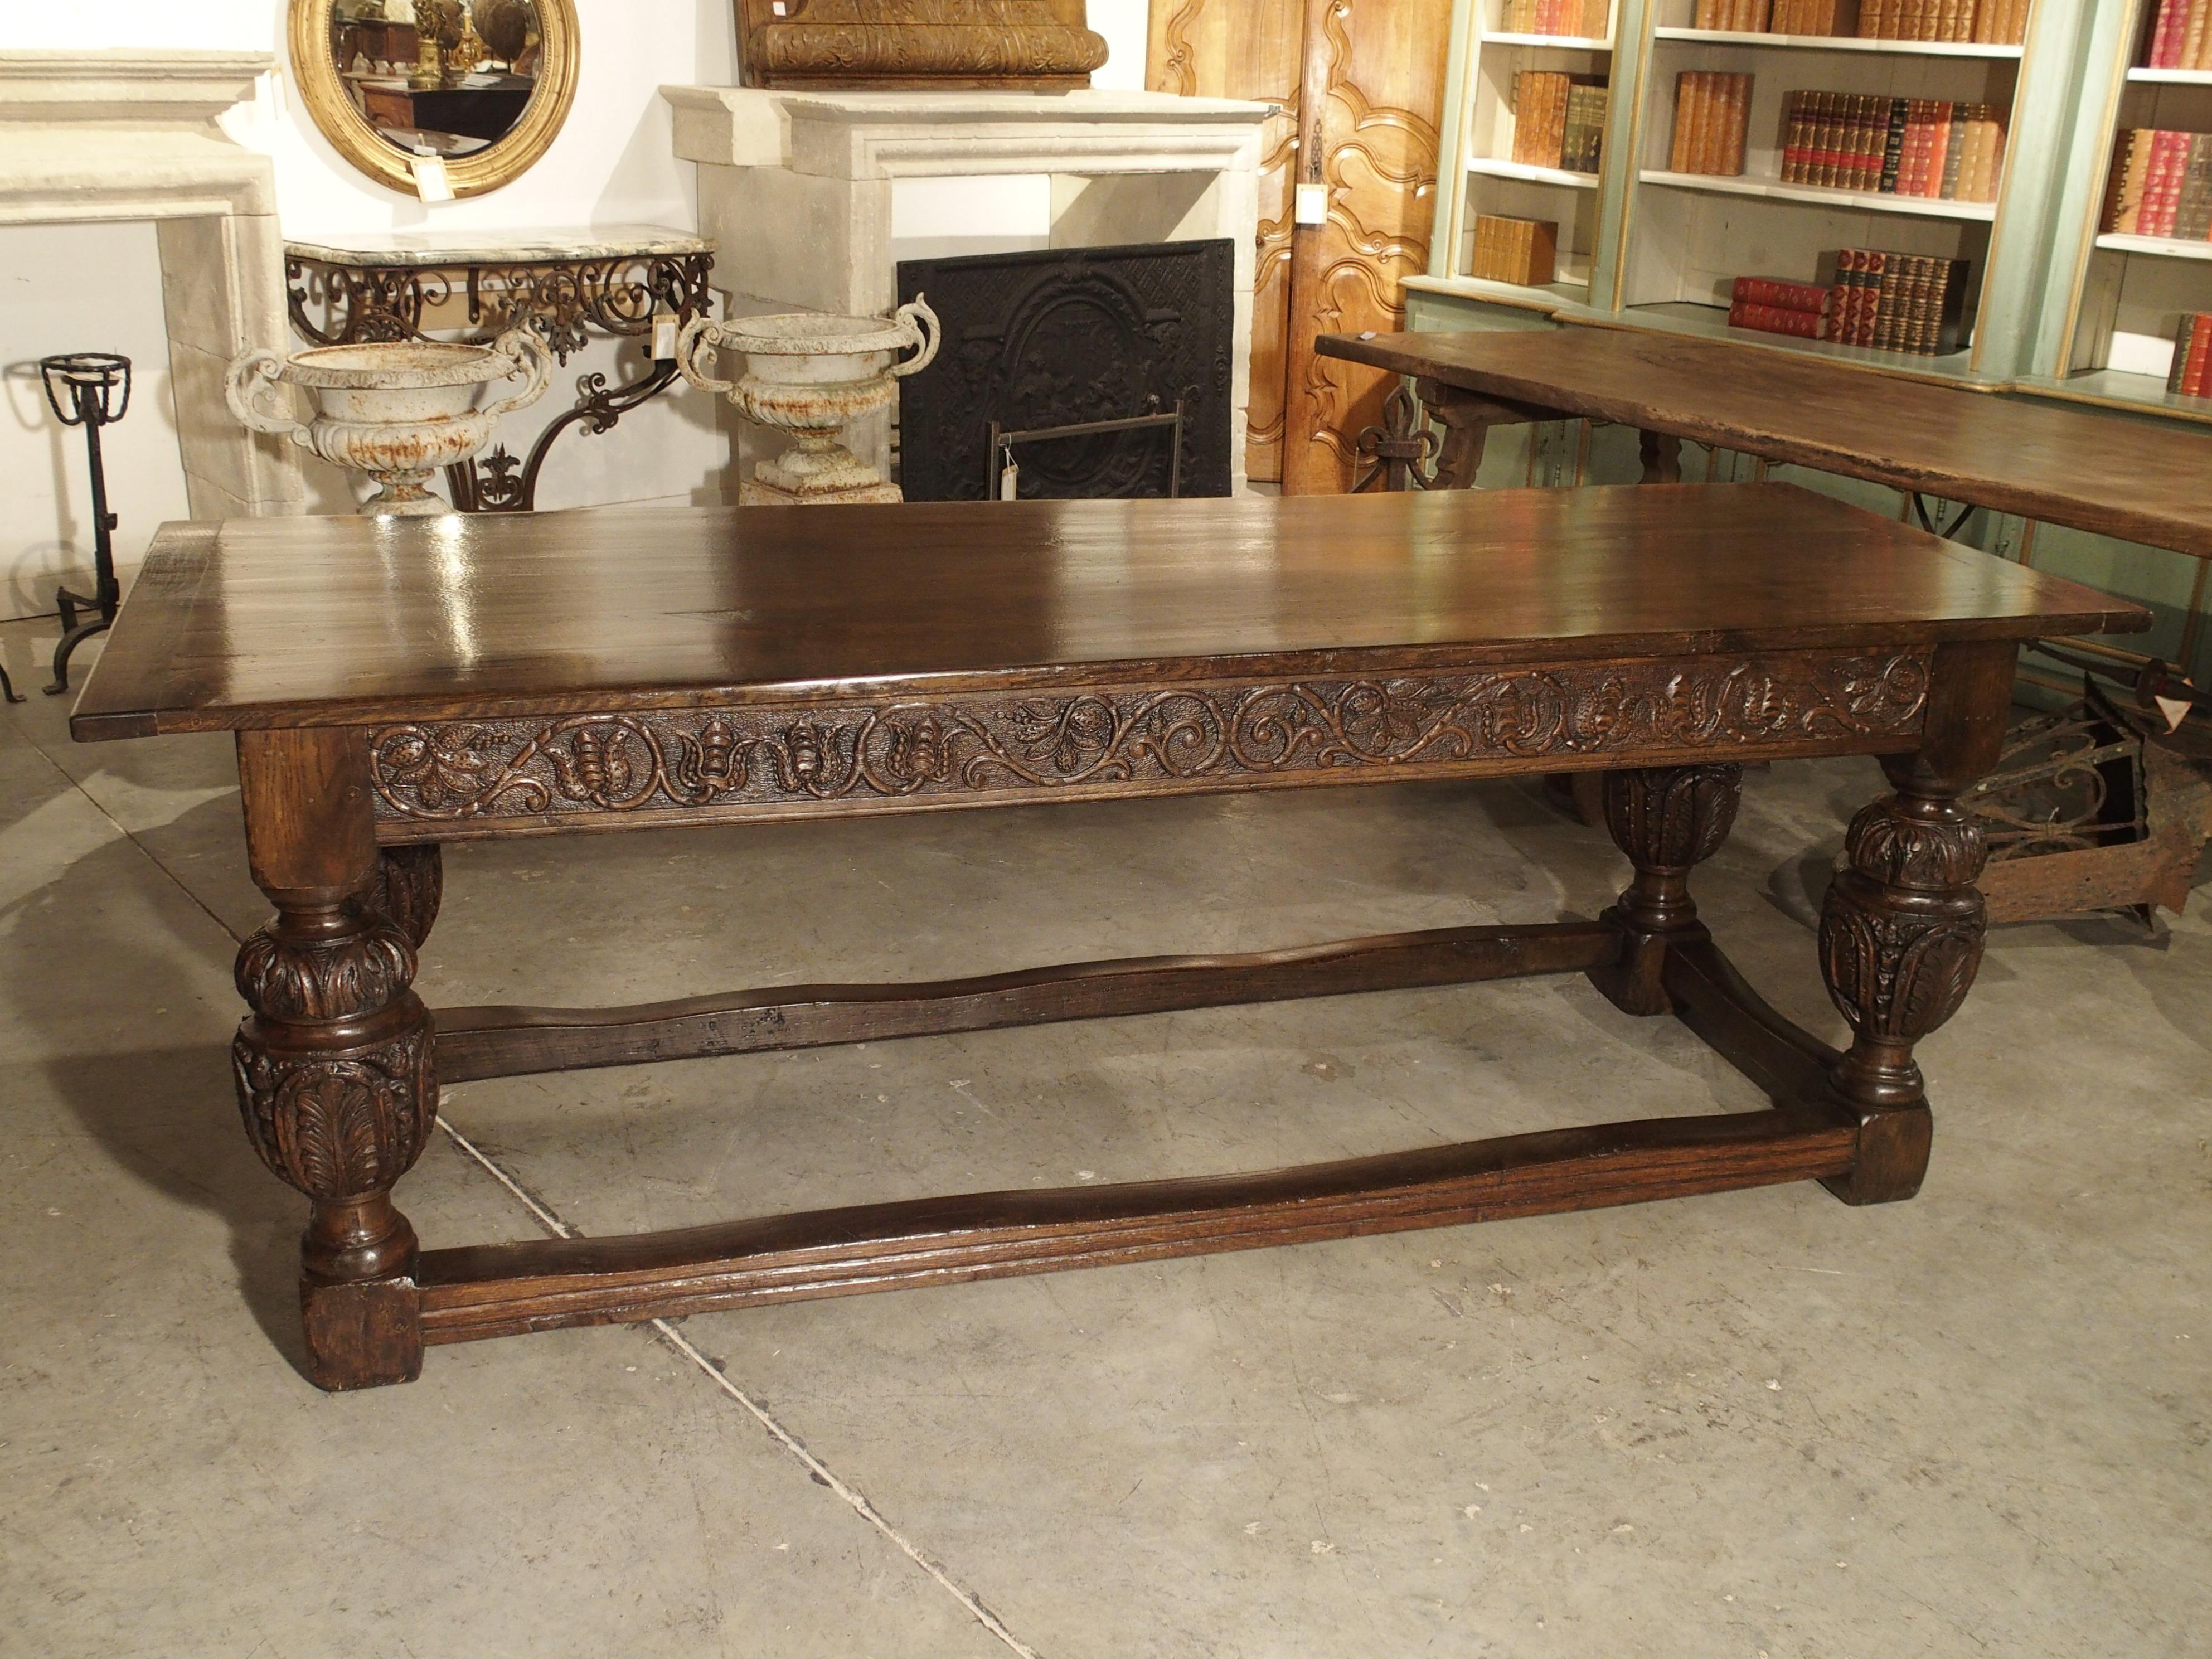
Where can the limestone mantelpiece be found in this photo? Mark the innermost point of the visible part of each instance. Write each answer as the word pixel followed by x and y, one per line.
pixel 130 135
pixel 796 187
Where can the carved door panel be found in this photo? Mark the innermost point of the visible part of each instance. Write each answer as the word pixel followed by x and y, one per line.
pixel 1248 49
pixel 1363 81
pixel 1371 103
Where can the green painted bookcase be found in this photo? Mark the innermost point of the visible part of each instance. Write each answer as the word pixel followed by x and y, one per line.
pixel 2058 309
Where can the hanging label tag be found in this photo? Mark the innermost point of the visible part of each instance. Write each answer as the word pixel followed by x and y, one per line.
pixel 431 184
pixel 664 337
pixel 1010 480
pixel 1312 208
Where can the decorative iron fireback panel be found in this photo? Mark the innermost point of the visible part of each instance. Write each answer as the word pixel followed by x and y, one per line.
pixel 1062 337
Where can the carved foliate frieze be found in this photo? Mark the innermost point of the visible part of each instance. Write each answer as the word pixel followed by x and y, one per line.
pixel 1138 741
pixel 339 1124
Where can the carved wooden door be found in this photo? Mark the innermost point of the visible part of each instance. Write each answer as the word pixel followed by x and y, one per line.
pixel 1362 84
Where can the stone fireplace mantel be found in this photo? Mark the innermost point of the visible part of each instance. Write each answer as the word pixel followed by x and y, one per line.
pixel 796 187
pixel 131 135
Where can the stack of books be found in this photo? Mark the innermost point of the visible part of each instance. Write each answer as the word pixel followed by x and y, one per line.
pixel 1523 250
pixel 2181 38
pixel 1804 309
pixel 2192 356
pixel 1712 113
pixel 1910 302
pixel 1988 22
pixel 1558 121
pixel 1740 16
pixel 1991 23
pixel 1584 18
pixel 2161 186
pixel 1893 146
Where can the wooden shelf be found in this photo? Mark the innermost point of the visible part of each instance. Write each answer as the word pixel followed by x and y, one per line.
pixel 1548 298
pixel 2171 77
pixel 2165 248
pixel 1840 43
pixel 1711 322
pixel 1837 200
pixel 1494 168
pixel 1556 42
pixel 2113 388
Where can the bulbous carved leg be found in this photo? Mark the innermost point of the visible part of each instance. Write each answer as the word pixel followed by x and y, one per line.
pixel 336 1085
pixel 1901 936
pixel 334 1064
pixel 1668 820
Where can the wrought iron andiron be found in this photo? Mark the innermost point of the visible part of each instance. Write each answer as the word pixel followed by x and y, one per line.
pixel 90 389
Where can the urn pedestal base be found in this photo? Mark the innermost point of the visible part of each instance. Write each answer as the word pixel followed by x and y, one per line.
pixel 755 493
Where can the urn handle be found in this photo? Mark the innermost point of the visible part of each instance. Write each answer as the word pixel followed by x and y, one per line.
pixel 249 375
pixel 527 352
pixel 917 316
pixel 698 330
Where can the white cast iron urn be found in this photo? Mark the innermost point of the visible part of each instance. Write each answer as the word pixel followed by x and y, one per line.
pixel 398 410
pixel 807 373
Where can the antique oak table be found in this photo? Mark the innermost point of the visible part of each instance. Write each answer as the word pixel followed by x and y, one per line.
pixel 397 683
pixel 2140 480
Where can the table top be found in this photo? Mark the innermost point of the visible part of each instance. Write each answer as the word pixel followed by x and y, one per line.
pixel 352 621
pixel 2142 480
pixel 387 248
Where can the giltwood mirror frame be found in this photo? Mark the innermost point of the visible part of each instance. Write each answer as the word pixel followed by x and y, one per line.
pixel 498 163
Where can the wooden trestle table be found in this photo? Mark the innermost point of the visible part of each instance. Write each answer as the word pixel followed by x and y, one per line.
pixel 395 684
pixel 2143 481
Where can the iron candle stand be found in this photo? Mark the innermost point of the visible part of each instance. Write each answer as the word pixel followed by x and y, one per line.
pixel 90 389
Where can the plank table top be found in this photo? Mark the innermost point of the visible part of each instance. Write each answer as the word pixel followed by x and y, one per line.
pixel 321 622
pixel 2141 480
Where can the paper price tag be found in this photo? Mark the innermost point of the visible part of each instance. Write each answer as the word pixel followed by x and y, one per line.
pixel 1312 207
pixel 1010 481
pixel 664 337
pixel 431 184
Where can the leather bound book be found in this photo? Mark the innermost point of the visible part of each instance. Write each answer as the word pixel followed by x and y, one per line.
pixel 1893 146
pixel 1774 319
pixel 2197 372
pixel 1781 295
pixel 1954 130
pixel 2192 219
pixel 2123 190
pixel 1735 131
pixel 2177 376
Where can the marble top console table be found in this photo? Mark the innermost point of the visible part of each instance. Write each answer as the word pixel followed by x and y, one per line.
pixel 567 284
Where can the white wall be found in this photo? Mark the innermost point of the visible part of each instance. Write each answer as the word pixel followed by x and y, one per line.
pixel 613 163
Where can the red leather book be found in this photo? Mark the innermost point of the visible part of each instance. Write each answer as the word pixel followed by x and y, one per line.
pixel 1774 319
pixel 1783 296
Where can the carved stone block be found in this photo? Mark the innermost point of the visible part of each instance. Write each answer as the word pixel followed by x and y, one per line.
pixel 1024 44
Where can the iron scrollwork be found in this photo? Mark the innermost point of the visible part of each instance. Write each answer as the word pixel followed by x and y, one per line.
pixel 565 299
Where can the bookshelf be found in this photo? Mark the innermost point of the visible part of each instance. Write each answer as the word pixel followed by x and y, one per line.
pixel 2059 306
pixel 1645 245
pixel 1478 174
pixel 2124 294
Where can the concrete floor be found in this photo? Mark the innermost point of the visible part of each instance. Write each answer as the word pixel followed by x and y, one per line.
pixel 1760 1424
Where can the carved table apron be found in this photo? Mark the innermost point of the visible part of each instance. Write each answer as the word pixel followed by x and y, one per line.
pixel 396 684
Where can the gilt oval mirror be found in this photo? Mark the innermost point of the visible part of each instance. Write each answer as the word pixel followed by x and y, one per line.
pixel 483 85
